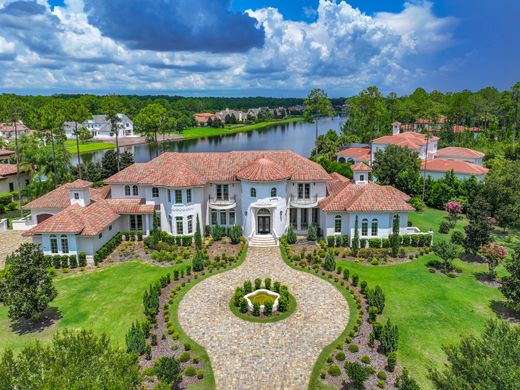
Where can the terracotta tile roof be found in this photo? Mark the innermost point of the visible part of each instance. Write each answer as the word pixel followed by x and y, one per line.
pixel 410 140
pixel 204 117
pixel 461 129
pixel 59 198
pixel 130 206
pixel 441 165
pixel 368 197
pixel 79 184
pixel 197 169
pixel 362 154
pixel 336 183
pixel 396 123
pixel 4 153
pixel 263 170
pixel 454 151
pixel 423 121
pixel 7 127
pixel 7 170
pixel 407 127
pixel 361 167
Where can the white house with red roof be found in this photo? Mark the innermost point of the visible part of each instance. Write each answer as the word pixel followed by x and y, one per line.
pixel 463 170
pixel 262 191
pixel 460 154
pixel 354 155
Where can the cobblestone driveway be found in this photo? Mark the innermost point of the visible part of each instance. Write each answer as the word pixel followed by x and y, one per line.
pixel 10 240
pixel 279 355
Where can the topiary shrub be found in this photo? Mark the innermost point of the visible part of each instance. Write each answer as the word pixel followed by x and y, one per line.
pixel 366 359
pixel 256 309
pixel 334 370
pixel 353 348
pixel 190 371
pixel 267 283
pixel 248 287
pixel 444 227
pixel 312 233
pixel 391 362
pixel 340 356
pixel 243 305
pixel 217 232
pixel 185 356
pixel 355 279
pixel 258 283
pixel 268 308
pixel 330 262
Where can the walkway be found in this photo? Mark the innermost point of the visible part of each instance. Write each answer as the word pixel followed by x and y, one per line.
pixel 10 240
pixel 279 355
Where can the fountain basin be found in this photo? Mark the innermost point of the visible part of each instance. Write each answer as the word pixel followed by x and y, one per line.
pixel 261 296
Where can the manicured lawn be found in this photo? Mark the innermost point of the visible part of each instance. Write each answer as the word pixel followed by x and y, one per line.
pixel 201 132
pixel 87 147
pixel 105 300
pixel 430 219
pixel 430 309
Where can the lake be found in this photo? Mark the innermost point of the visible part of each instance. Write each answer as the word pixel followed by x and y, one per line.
pixel 297 136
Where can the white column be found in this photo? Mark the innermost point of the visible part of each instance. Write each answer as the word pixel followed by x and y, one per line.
pixel 298 220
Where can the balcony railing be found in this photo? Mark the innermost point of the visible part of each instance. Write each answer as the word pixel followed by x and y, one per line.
pixel 304 201
pixel 222 201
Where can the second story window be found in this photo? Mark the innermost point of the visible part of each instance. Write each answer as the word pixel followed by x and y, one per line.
pixel 253 192
pixel 188 195
pixel 135 190
pixel 155 192
pixel 169 196
pixel 304 190
pixel 273 192
pixel 127 191
pixel 222 191
pixel 178 196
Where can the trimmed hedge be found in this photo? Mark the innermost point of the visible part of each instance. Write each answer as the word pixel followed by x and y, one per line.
pixel 108 248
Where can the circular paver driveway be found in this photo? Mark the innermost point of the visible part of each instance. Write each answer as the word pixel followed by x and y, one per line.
pixel 278 355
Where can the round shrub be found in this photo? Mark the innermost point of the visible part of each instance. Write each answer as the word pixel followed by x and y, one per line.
pixel 185 356
pixel 190 371
pixel 381 375
pixel 200 374
pixel 334 370
pixel 353 348
pixel 355 279
pixel 340 356
pixel 366 359
pixel 444 227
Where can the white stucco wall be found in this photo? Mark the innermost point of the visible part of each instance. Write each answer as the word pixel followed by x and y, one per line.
pixel 462 176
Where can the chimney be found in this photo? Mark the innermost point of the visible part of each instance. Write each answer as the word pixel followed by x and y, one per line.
pixel 396 128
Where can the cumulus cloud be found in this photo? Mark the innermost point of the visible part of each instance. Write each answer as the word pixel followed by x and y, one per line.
pixel 343 50
pixel 175 25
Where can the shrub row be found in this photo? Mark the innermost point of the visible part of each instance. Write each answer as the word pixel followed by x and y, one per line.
pixel 66 261
pixel 107 249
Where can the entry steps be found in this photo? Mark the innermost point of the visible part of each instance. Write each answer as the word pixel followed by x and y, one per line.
pixel 263 240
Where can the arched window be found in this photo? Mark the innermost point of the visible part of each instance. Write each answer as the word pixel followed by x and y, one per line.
pixel 135 190
pixel 364 227
pixel 374 227
pixel 337 224
pixel 54 243
pixel 273 192
pixel 64 244
pixel 253 192
pixel 127 191
pixel 341 159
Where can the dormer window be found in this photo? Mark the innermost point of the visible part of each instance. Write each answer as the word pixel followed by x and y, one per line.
pixel 76 195
pixel 273 192
pixel 361 177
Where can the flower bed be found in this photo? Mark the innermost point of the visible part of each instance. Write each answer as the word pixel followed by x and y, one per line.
pixel 160 337
pixel 262 302
pixel 365 353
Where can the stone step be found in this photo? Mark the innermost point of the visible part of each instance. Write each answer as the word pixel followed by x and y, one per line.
pixel 263 241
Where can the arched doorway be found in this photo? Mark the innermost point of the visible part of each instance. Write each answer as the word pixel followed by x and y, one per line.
pixel 42 217
pixel 264 221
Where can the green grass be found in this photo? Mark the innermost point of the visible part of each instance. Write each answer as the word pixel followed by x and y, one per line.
pixel 291 308
pixel 87 147
pixel 202 132
pixel 430 219
pixel 430 309
pixel 105 300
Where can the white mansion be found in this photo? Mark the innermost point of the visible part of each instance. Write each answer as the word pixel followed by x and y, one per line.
pixel 100 127
pixel 262 191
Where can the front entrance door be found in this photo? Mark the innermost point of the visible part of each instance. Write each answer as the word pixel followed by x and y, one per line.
pixel 264 224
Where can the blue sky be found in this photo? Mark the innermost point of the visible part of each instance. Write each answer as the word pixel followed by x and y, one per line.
pixel 257 47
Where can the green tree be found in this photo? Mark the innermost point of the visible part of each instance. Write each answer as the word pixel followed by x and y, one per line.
pixel 78 113
pixel 112 108
pixel 398 167
pixel 73 360
pixel 447 251
pixel 153 119
pixel 168 369
pixel 198 261
pixel 28 287
pixel 291 235
pixel 198 235
pixel 406 382
pixel 394 237
pixel 486 362
pixel 511 283
pixel 110 163
pixel 330 262
pixel 357 373
pixel 389 338
pixel 478 234
pixel 126 159
pixel 355 240
pixel 317 105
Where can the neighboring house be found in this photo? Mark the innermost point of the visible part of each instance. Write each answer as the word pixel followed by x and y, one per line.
pixel 476 131
pixel 462 154
pixel 100 127
pixel 227 115
pixel 296 110
pixel 8 180
pixel 262 191
pixel 7 130
pixel 6 154
pixel 204 118
pixel 412 140
pixel 437 169
pixel 354 155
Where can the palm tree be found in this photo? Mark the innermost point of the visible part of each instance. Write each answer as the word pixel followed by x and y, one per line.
pixel 113 107
pixel 78 113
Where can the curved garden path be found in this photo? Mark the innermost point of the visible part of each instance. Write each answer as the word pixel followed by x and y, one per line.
pixel 278 355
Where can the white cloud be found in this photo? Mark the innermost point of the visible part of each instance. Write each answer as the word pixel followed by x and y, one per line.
pixel 343 50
